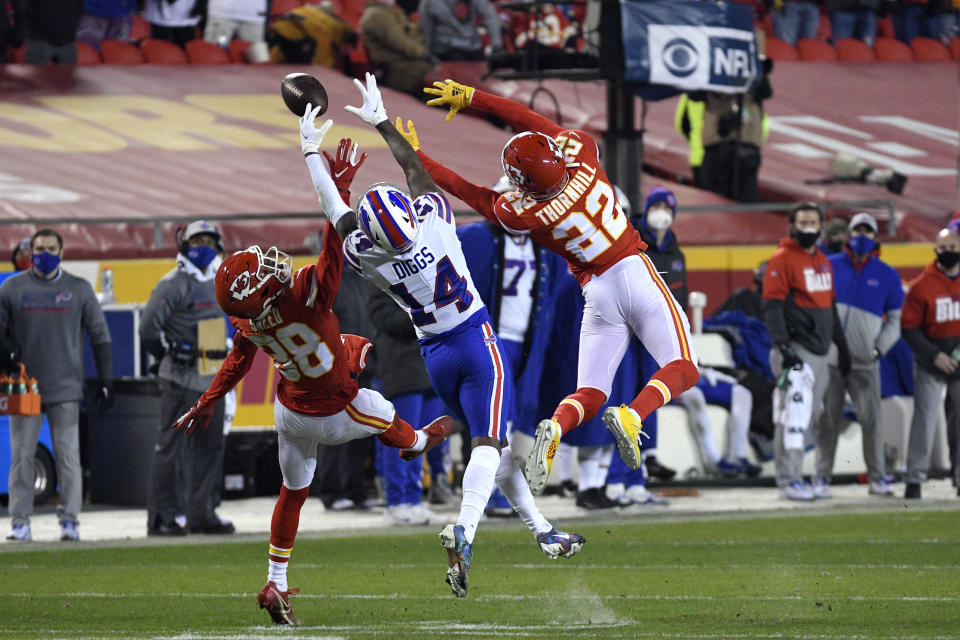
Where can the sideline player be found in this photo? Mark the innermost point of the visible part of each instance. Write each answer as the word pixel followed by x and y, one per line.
pixel 565 201
pixel 409 248
pixel 318 400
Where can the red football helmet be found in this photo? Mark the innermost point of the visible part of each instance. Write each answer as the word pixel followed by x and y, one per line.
pixel 534 163
pixel 249 281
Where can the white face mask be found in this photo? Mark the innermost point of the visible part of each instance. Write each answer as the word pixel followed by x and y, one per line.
pixel 659 219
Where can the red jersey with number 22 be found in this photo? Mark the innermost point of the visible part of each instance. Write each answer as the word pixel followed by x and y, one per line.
pixel 584 223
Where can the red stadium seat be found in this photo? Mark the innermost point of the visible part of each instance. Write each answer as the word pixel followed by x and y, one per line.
pixel 238 51
pixel 86 54
pixel 157 51
pixel 140 30
pixel 279 7
pixel 955 48
pixel 778 50
pixel 929 50
pixel 853 50
pixel 816 50
pixel 117 52
pixel 203 52
pixel 885 27
pixel 825 30
pixel 15 55
pixel 892 50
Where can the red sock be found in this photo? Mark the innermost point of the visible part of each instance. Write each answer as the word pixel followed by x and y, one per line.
pixel 399 434
pixel 286 519
pixel 581 405
pixel 670 381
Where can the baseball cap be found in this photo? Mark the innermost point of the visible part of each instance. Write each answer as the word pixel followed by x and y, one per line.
pixel 864 218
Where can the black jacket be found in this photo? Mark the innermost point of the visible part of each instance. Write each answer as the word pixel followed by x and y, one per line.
pixel 670 262
pixel 399 362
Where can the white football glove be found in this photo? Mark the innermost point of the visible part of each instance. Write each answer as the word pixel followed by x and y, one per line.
pixel 372 110
pixel 310 136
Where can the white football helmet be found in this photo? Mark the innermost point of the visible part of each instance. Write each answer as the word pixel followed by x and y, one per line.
pixel 387 218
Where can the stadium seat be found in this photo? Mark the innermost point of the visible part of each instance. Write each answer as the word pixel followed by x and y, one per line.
pixel 816 50
pixel 118 52
pixel 955 48
pixel 157 51
pixel 885 27
pixel 781 50
pixel 86 54
pixel 892 50
pixel 238 49
pixel 279 7
pixel 140 30
pixel 929 50
pixel 203 52
pixel 825 29
pixel 853 50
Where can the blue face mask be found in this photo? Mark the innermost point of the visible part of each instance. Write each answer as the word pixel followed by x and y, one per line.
pixel 862 245
pixel 45 262
pixel 201 256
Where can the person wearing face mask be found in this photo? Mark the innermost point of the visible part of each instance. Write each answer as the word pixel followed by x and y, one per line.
pixel 835 235
pixel 801 317
pixel 869 297
pixel 185 473
pixel 42 311
pixel 22 256
pixel 931 326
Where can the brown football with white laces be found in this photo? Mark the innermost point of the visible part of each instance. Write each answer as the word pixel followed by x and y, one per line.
pixel 299 90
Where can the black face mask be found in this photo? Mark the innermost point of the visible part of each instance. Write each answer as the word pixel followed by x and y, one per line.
pixel 836 246
pixel 948 259
pixel 806 239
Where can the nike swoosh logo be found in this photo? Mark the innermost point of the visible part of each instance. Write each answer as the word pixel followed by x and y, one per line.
pixel 339 173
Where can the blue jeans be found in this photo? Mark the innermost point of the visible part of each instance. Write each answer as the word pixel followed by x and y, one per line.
pixel 914 22
pixel 796 20
pixel 860 24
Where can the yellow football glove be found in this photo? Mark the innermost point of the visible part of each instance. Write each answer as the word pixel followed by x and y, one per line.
pixel 457 95
pixel 410 135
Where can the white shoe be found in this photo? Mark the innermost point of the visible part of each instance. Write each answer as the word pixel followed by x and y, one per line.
pixel 399 515
pixel 424 515
pixel 881 488
pixel 797 491
pixel 540 460
pixel 70 530
pixel 19 533
pixel 821 489
pixel 638 494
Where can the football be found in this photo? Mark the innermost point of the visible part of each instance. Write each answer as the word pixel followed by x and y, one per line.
pixel 299 89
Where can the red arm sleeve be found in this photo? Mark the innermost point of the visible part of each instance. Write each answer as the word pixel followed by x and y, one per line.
pixel 776 284
pixel 329 267
pixel 518 116
pixel 234 367
pixel 480 199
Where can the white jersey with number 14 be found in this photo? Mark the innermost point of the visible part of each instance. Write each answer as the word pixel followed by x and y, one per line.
pixel 430 280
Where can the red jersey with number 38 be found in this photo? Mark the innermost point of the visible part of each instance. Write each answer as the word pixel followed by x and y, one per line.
pixel 584 223
pixel 302 336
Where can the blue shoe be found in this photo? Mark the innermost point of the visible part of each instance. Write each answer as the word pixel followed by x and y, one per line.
pixel 749 468
pixel 556 543
pixel 729 469
pixel 460 554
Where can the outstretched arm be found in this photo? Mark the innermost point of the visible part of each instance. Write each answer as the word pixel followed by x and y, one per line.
pixel 480 199
pixel 373 112
pixel 336 210
pixel 459 96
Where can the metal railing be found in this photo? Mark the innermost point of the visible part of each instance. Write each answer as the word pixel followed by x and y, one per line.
pixel 888 205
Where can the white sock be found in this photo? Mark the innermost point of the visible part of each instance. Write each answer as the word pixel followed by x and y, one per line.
pixel 563 462
pixel 741 407
pixel 478 479
pixel 594 465
pixel 277 574
pixel 420 442
pixel 514 486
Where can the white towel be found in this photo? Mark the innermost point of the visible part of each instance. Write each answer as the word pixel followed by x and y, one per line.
pixel 792 406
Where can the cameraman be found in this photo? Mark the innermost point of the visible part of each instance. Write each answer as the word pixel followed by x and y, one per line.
pixel 185 472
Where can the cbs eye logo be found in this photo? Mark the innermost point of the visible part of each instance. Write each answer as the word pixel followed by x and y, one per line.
pixel 680 57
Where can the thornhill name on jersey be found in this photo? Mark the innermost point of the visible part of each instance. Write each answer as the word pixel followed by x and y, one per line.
pixel 817 280
pixel 948 309
pixel 560 205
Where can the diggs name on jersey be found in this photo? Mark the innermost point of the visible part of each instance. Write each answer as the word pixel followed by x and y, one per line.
pixel 414 264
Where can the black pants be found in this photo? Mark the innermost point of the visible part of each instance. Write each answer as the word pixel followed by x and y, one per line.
pixel 717 171
pixel 195 459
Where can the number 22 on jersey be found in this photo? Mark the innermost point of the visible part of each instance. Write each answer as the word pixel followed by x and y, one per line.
pixel 299 344
pixel 591 232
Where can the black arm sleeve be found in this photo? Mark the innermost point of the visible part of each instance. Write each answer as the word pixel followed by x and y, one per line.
pixel 775 321
pixel 924 351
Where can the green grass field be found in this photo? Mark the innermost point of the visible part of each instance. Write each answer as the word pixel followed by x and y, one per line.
pixel 873 576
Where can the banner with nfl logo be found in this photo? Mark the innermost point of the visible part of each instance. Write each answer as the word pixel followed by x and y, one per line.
pixel 689 45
